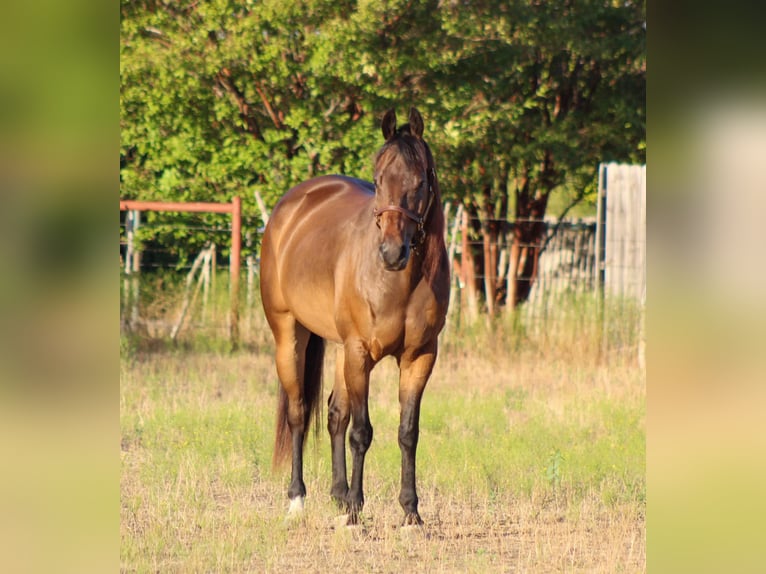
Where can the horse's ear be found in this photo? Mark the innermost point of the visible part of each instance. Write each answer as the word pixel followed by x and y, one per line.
pixel 416 123
pixel 388 125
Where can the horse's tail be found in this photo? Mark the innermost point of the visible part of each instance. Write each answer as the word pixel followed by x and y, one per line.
pixel 312 400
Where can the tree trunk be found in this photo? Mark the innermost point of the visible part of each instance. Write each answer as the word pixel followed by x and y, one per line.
pixel 490 265
pixel 469 300
pixel 528 233
pixel 494 209
pixel 525 253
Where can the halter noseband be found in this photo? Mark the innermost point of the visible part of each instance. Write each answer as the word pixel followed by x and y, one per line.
pixel 404 211
pixel 408 213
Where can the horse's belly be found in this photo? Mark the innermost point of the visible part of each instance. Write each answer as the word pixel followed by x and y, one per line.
pixel 317 316
pixel 308 289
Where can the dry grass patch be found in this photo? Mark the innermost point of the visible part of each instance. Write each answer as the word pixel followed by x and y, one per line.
pixel 526 463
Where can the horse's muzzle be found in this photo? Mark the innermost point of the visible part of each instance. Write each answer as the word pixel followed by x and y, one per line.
pixel 394 255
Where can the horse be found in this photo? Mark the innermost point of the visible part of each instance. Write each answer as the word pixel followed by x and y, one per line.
pixel 362 264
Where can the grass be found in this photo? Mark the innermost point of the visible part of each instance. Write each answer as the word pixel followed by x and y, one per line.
pixel 528 461
pixel 531 455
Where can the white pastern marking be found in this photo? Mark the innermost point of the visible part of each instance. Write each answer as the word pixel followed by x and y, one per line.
pixel 296 506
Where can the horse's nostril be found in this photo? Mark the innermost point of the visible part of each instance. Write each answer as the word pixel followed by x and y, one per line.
pixel 394 256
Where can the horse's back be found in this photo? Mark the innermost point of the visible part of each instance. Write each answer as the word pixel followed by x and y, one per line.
pixel 308 231
pixel 335 193
pixel 313 218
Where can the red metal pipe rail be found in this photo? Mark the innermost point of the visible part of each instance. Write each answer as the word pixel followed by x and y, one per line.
pixel 235 209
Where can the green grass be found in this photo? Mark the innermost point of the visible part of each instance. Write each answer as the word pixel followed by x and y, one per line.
pixel 531 458
pixel 484 440
pixel 531 454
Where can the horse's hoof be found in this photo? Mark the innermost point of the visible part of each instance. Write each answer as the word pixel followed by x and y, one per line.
pixel 346 526
pixel 348 520
pixel 296 508
pixel 412 519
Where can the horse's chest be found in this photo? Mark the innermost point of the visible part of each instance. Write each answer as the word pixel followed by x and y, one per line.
pixel 386 334
pixel 410 323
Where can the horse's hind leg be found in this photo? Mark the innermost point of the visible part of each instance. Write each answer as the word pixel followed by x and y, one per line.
pixel 291 343
pixel 338 415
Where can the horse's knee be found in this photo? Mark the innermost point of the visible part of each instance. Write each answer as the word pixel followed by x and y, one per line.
pixel 336 424
pixel 337 418
pixel 360 437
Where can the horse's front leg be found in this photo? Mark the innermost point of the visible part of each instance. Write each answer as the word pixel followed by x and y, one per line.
pixel 338 414
pixel 414 372
pixel 356 371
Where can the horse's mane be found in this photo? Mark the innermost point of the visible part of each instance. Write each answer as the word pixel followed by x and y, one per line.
pixel 434 241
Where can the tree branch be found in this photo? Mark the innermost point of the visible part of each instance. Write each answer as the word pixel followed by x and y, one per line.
pixel 223 78
pixel 274 118
pixel 156 34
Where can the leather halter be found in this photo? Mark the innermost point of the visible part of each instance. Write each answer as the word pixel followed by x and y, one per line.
pixel 408 213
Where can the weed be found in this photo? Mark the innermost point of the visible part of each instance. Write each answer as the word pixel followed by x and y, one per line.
pixel 553 468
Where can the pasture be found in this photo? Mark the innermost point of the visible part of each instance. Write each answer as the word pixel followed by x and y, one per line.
pixel 531 459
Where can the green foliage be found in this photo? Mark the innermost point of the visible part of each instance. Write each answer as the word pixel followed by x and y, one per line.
pixel 553 469
pixel 222 97
pixel 546 92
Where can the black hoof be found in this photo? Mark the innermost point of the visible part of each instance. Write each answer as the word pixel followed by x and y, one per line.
pixel 412 519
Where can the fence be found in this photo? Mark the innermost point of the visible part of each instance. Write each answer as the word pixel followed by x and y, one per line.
pixel 566 266
pixel 132 258
pixel 622 230
pixel 568 263
pixel 607 253
pixel 578 257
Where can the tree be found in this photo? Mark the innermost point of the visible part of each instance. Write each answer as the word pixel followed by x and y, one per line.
pixel 220 97
pixel 522 100
pixel 539 94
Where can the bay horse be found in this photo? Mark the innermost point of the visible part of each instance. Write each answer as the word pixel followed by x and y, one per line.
pixel 363 265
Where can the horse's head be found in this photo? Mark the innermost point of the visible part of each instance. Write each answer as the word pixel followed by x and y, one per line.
pixel 403 189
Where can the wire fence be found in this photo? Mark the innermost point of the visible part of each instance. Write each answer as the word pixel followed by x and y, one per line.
pixel 577 276
pixel 185 297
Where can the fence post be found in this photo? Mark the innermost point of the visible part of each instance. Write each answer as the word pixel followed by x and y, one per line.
pixel 600 267
pixel 601 228
pixel 132 265
pixel 234 264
